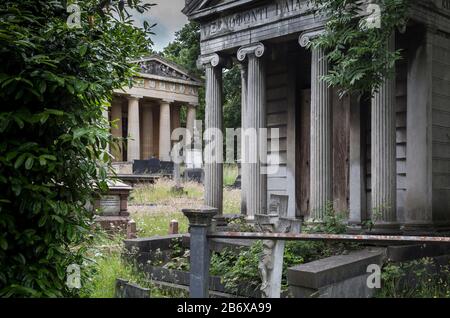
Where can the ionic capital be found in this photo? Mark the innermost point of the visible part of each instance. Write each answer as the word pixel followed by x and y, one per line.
pixel 210 60
pixel 306 37
pixel 256 49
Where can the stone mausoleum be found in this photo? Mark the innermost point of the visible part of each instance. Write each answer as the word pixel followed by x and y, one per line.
pixel 148 112
pixel 384 158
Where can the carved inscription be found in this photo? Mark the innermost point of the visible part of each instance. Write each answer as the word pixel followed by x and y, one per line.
pixel 277 10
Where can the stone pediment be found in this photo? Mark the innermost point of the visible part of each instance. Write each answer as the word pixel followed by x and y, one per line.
pixel 158 66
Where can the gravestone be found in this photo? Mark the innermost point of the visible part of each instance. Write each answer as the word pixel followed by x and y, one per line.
pixel 110 205
pixel 271 263
pixel 112 209
pixel 192 174
pixel 150 166
pixel 194 163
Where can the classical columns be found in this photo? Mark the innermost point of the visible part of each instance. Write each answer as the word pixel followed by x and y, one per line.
pixel 321 128
pixel 133 149
pixel 175 119
pixel 116 129
pixel 190 118
pixel 383 154
pixel 213 121
pixel 147 131
pixel 358 210
pixel 244 125
pixel 164 131
pixel 255 117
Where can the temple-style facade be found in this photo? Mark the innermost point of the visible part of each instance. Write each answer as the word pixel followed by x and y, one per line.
pixel 148 112
pixel 385 158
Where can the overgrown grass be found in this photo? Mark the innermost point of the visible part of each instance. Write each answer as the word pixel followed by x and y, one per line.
pixel 158 224
pixel 416 279
pixel 230 173
pixel 153 206
pixel 107 265
pixel 161 193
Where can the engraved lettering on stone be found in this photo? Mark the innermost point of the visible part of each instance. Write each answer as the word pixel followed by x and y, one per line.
pixel 260 15
pixel 110 204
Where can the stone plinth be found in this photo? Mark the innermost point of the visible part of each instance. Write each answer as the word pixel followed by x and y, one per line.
pixel 112 209
pixel 200 220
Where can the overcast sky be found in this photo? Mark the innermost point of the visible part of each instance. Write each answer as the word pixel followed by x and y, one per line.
pixel 167 14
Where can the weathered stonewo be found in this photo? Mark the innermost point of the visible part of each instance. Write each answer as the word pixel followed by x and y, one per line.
pixel 158 82
pixel 321 128
pixel 422 99
pixel 134 141
pixel 113 208
pixel 244 125
pixel 200 220
pixel 255 118
pixel 335 276
pixel 173 227
pixel 383 158
pixel 271 264
pixel 125 289
pixel 164 131
pixel 213 120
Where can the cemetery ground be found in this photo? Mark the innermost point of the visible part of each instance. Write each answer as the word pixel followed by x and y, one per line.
pixel 154 206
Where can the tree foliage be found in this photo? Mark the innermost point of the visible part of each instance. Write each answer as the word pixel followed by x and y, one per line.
pixel 357 54
pixel 185 50
pixel 54 84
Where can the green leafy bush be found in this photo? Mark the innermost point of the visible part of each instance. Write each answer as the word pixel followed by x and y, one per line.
pixel 419 279
pixel 54 84
pixel 357 55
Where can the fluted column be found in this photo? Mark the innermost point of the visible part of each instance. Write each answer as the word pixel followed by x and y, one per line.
pixel 164 131
pixel 134 143
pixel 257 119
pixel 383 155
pixel 321 129
pixel 147 132
pixel 116 129
pixel 213 120
pixel 244 126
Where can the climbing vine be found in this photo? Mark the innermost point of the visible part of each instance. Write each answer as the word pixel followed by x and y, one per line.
pixel 355 40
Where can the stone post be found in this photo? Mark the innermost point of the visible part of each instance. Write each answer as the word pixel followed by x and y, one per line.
pixel 383 157
pixel 213 166
pixel 147 131
pixel 321 129
pixel 164 131
pixel 116 129
pixel 199 223
pixel 190 118
pixel 357 167
pixel 134 143
pixel 244 125
pixel 256 118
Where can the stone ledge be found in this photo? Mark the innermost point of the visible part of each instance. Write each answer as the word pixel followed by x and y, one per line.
pixel 147 244
pixel 334 269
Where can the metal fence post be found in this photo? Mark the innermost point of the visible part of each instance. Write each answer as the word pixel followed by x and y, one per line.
pixel 199 223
